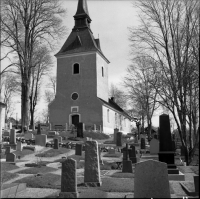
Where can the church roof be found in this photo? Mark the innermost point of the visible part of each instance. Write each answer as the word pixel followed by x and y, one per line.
pixel 116 107
pixel 81 38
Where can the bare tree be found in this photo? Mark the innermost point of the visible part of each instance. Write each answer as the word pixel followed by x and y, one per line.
pixel 10 86
pixel 138 82
pixel 42 65
pixel 169 35
pixel 27 23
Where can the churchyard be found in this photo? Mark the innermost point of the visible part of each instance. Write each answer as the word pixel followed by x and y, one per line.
pixel 54 164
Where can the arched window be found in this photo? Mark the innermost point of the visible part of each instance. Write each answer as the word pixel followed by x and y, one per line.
pixel 76 69
pixel 102 71
pixel 108 115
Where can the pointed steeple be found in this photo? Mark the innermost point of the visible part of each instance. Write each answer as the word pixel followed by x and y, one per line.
pixel 82 18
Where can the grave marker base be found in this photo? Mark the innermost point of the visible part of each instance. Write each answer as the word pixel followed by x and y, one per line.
pixel 68 195
pixel 13 146
pixel 93 184
pixel 176 177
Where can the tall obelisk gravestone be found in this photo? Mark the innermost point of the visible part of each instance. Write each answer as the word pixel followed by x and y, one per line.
pixel 166 153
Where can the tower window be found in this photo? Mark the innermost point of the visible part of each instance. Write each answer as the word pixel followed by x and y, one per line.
pixel 76 69
pixel 102 71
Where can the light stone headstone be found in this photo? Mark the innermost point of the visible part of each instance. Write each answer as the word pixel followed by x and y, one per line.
pixel 151 180
pixel 40 140
pixel 69 179
pixel 10 157
pixel 28 136
pixel 10 125
pixel 12 136
pixel 111 151
pixel 154 146
pixel 92 167
pixel 19 146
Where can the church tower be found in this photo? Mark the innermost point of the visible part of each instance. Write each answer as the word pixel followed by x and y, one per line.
pixel 82 75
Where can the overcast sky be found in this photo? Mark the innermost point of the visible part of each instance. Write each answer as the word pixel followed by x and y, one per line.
pixel 110 22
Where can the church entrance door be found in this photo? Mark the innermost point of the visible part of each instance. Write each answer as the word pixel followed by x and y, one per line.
pixel 75 120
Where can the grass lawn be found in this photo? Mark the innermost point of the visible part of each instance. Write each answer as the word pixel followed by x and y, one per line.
pixel 53 152
pixel 7 167
pixel 35 170
pixel 122 175
pixel 23 153
pixel 45 181
pixel 5 176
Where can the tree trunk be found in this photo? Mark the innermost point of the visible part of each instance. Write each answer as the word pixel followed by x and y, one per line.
pixel 25 106
pixel 32 119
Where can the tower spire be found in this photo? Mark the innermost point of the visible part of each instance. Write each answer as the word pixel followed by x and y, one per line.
pixel 82 18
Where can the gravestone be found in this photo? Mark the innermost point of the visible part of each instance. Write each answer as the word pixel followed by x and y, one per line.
pixel 59 138
pixel 151 180
pixel 52 133
pixel 8 148
pixel 56 143
pixel 6 133
pixel 100 160
pixel 142 146
pixel 10 125
pixel 50 126
pixel 115 134
pixel 66 127
pixel 127 163
pixel 19 146
pixel 166 153
pixel 196 183
pixel 111 151
pixel 41 140
pixel 39 129
pixel 154 146
pixel 12 137
pixel 80 130
pixel 136 139
pixel 92 167
pixel 118 139
pixel 28 136
pixel 69 179
pixel 10 157
pixel 173 145
pixel 132 154
pixel 78 150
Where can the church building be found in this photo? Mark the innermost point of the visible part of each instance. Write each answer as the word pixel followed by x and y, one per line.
pixel 82 93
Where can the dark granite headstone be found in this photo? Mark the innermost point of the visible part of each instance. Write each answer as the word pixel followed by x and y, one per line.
pixel 166 153
pixel 39 129
pixel 196 183
pixel 165 133
pixel 119 139
pixel 69 179
pixel 80 130
pixel 56 143
pixel 78 150
pixel 10 157
pixel 143 143
pixel 132 154
pixel 127 163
